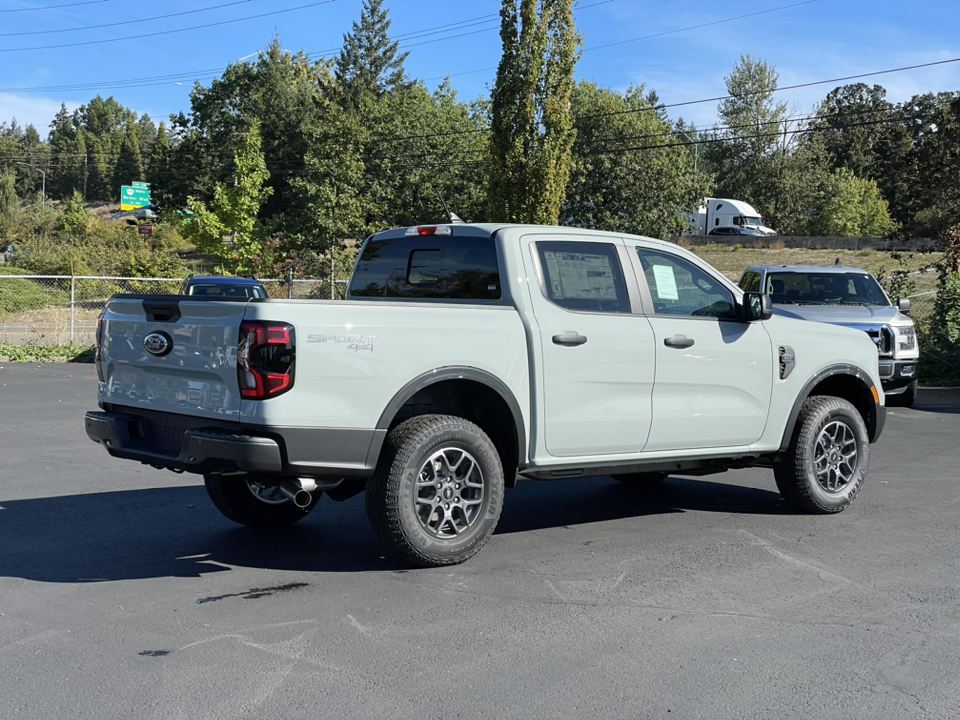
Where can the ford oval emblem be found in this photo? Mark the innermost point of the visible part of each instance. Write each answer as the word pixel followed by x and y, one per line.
pixel 158 343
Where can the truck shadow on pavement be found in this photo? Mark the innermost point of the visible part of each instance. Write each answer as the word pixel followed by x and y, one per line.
pixel 176 532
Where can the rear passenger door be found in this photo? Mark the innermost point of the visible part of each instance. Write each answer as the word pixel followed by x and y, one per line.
pixel 714 373
pixel 594 348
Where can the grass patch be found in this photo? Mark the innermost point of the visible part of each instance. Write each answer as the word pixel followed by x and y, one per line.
pixel 732 264
pixel 19 295
pixel 47 353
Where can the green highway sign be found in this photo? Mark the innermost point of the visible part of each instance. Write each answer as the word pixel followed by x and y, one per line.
pixel 140 184
pixel 134 196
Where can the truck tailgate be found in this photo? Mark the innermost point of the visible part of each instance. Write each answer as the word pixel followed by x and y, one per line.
pixel 171 354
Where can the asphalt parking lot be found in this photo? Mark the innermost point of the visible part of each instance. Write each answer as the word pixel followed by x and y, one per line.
pixel 125 594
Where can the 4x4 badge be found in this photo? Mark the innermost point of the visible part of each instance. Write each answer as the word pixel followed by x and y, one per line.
pixel 158 343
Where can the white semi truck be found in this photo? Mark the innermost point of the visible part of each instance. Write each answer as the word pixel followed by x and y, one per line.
pixel 717 213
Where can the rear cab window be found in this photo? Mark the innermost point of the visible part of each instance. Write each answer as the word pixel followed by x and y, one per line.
pixel 414 267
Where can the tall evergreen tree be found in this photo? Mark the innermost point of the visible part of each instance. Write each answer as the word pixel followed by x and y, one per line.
pixel 532 131
pixel 369 63
pixel 158 169
pixel 129 166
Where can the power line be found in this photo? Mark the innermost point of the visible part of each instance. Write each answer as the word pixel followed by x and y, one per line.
pixel 168 32
pixel 191 75
pixel 124 22
pixel 702 25
pixel 53 7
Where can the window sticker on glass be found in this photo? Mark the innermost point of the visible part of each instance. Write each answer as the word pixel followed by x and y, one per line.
pixel 580 276
pixel 666 282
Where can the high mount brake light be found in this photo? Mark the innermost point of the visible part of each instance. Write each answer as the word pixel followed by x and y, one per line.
pixel 429 230
pixel 265 359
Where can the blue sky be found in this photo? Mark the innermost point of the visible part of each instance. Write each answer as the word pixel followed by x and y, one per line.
pixel 681 50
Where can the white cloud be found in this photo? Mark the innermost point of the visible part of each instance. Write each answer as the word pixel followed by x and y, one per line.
pixel 31 110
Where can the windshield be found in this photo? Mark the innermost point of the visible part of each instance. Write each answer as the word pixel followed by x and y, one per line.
pixel 751 221
pixel 829 288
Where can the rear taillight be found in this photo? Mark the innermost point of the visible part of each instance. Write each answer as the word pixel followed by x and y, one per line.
pixel 265 359
pixel 99 340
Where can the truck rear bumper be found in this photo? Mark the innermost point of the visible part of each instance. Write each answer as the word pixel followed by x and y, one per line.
pixel 199 445
pixel 201 450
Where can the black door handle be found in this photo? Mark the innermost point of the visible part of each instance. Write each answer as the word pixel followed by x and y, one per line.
pixel 569 339
pixel 678 341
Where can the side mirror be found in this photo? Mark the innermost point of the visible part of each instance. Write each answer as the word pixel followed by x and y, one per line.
pixel 903 305
pixel 756 306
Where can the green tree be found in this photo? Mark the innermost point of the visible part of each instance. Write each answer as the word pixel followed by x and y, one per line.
pixel 159 168
pixel 229 228
pixel 280 91
pixel 864 133
pixel 129 165
pixel 937 201
pixel 67 155
pixel 630 172
pixel 747 151
pixel 853 207
pixel 105 126
pixel 532 130
pixel 369 63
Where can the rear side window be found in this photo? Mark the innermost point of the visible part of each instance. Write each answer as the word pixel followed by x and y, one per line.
pixel 456 268
pixel 583 276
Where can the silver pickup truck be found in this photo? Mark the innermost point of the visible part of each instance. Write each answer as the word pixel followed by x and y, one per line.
pixel 469 357
pixel 851 297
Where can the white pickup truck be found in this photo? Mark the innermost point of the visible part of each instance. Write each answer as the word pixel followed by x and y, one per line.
pixel 468 357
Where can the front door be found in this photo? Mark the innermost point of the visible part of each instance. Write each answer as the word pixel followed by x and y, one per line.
pixel 714 372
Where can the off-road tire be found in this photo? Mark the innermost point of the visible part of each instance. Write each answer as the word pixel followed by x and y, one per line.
pixel 905 399
pixel 641 479
pixel 232 495
pixel 824 468
pixel 432 526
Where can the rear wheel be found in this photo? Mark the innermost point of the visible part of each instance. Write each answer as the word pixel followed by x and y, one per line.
pixel 437 492
pixel 824 468
pixel 641 479
pixel 255 500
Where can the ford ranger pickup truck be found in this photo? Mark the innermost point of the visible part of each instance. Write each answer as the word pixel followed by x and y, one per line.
pixel 468 357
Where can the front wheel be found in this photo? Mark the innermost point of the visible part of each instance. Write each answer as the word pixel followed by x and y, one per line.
pixel 436 495
pixel 255 500
pixel 825 466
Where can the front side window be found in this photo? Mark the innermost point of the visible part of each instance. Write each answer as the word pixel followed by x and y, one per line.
pixel 583 276
pixel 678 287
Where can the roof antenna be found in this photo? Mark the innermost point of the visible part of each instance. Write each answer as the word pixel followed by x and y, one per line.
pixel 454 218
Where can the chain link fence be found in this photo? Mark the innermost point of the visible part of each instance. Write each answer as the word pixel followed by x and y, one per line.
pixel 63 309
